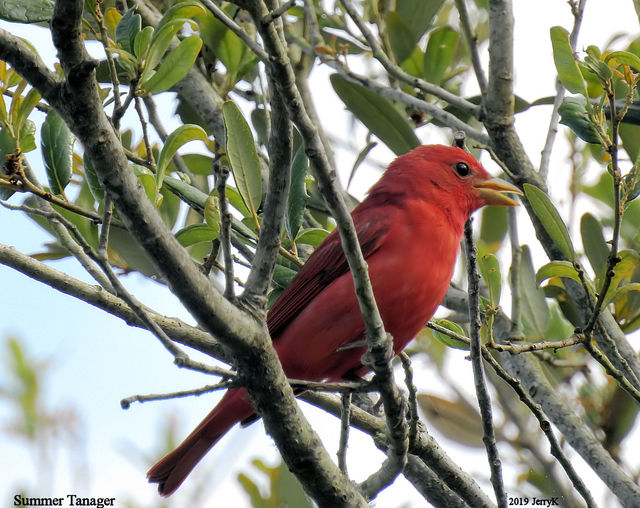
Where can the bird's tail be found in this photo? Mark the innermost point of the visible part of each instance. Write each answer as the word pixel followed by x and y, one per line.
pixel 171 470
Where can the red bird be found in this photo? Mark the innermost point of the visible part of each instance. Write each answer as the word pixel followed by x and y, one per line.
pixel 409 227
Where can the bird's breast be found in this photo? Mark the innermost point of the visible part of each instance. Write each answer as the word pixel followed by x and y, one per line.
pixel 411 270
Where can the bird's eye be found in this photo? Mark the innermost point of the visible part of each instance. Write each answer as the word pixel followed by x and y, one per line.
pixel 462 168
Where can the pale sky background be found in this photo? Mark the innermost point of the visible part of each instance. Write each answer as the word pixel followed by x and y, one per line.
pixel 100 359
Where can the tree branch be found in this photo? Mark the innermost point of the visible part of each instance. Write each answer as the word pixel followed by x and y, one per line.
pixel 482 393
pixel 275 206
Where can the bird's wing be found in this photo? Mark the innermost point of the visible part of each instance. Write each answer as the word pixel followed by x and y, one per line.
pixel 328 262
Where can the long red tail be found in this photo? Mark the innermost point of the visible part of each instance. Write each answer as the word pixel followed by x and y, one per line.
pixel 171 470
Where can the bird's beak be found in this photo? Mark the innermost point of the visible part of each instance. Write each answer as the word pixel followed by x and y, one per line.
pixel 493 191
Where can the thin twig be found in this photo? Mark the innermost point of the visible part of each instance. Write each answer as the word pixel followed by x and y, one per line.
pixel 126 402
pixel 236 29
pixel 221 174
pixel 576 338
pixel 471 39
pixel 106 225
pixel 344 431
pixel 276 13
pixel 482 393
pixel 145 131
pixel 401 75
pixel 23 184
pixel 556 449
pixel 553 120
pixel 79 247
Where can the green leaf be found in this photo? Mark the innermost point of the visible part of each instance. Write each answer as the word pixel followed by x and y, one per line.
pixel 568 71
pixel 175 140
pixel 7 147
pixel 243 157
pixel 490 269
pixel 297 193
pixel 493 226
pixel 127 29
pixel 550 219
pixel 196 233
pixel 283 275
pixel 212 213
pixel 439 54
pixel 624 57
pixel 57 151
pixel 593 243
pixel 198 164
pixel 418 14
pixel 148 181
pixel 629 260
pixel 159 44
pixel 447 340
pixel 92 179
pixel 630 135
pixel 175 66
pixel 401 38
pixel 377 114
pixel 26 11
pixel 535 312
pixel 557 269
pixel 27 136
pixel 191 195
pixel 27 105
pixel 624 289
pixel 182 10
pixel 312 236
pixel 142 41
pixel 573 114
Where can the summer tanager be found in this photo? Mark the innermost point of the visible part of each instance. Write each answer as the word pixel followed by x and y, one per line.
pixel 409 228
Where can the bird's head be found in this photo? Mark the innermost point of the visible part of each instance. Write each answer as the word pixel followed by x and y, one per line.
pixel 449 176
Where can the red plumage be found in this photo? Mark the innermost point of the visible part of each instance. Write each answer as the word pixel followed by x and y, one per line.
pixel 409 228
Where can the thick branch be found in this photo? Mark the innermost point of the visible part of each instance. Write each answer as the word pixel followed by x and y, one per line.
pixel 280 146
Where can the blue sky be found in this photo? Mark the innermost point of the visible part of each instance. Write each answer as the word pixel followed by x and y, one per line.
pixel 96 359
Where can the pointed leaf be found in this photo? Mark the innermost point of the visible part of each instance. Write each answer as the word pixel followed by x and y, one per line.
pixel 629 261
pixel 159 44
pixel 377 114
pixel 535 312
pixel 182 10
pixel 243 157
pixel 142 41
pixel 447 340
pixel 557 269
pixel 57 151
pixel 196 233
pixel 439 54
pixel 127 29
pixel 573 114
pixel 593 243
pixel 418 14
pixel 312 236
pixel 175 66
pixel 175 140
pixel 92 179
pixel 624 58
pixel 550 219
pixel 490 269
pixel 400 36
pixel 191 195
pixel 568 71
